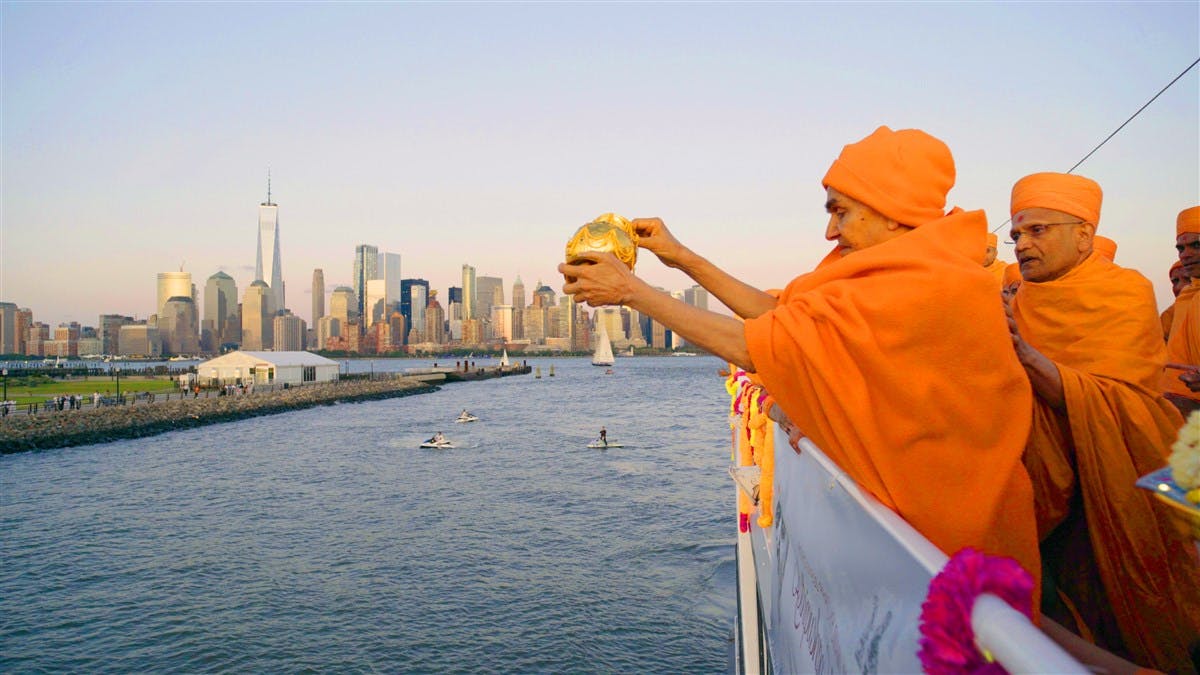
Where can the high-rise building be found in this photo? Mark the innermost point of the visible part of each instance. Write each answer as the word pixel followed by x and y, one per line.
pixel 543 295
pixel 173 285
pixel 366 267
pixel 328 326
pixel 398 329
pixel 389 272
pixel 455 294
pixel 502 322
pixel 518 294
pixel 268 266
pixel 406 305
pixel 36 338
pixel 8 328
pixel 288 331
pixel 258 318
pixel 177 326
pixel 220 312
pixel 486 295
pixel 139 339
pixel 470 303
pixel 375 307
pixel 318 295
pixel 435 321
pixel 696 296
pixel 418 299
pixel 343 305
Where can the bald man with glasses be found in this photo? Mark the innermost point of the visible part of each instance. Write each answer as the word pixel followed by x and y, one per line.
pixel 1088 334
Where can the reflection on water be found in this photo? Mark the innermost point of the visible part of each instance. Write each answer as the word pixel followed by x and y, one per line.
pixel 324 540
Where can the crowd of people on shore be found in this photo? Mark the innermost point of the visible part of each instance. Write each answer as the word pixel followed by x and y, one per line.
pixel 1008 407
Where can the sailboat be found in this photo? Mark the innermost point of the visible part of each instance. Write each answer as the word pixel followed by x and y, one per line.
pixel 504 359
pixel 604 353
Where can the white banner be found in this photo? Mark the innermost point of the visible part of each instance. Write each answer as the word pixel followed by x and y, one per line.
pixel 841 577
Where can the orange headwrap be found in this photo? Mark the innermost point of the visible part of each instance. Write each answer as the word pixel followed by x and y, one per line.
pixel 992 241
pixel 1012 273
pixel 1174 266
pixel 1064 192
pixel 904 174
pixel 1188 220
pixel 1105 247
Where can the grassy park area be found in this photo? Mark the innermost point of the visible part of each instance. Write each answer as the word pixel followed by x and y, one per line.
pixel 37 389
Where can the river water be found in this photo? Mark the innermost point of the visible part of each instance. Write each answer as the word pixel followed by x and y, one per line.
pixel 324 540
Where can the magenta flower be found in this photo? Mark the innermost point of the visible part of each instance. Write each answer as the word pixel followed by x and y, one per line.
pixel 947 639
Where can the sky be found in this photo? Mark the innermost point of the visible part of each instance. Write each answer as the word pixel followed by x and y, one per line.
pixel 136 138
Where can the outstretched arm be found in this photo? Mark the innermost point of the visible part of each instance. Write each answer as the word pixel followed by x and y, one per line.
pixel 745 300
pixel 609 282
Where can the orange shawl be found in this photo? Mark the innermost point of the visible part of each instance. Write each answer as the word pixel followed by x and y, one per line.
pixel 997 269
pixel 1183 345
pixel 1131 578
pixel 896 361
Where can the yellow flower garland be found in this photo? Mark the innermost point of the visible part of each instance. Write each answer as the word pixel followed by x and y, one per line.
pixel 754 440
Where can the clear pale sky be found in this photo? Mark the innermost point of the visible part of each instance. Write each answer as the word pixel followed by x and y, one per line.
pixel 136 137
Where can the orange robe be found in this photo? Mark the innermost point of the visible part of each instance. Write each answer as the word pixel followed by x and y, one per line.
pixel 896 361
pixel 1183 346
pixel 997 269
pixel 1130 578
pixel 1166 318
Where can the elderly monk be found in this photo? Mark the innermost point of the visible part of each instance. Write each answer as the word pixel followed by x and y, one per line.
pixel 1116 569
pixel 892 355
pixel 1183 346
pixel 990 263
pixel 1105 247
pixel 1179 281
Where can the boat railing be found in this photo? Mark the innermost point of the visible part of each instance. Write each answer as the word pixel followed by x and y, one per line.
pixel 836 581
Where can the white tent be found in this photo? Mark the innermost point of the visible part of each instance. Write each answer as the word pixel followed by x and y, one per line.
pixel 268 368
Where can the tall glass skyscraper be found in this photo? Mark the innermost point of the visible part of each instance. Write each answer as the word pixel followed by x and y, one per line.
pixel 470 300
pixel 366 268
pixel 268 267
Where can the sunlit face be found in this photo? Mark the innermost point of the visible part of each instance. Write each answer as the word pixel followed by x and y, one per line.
pixel 1188 246
pixel 1179 280
pixel 856 226
pixel 1049 243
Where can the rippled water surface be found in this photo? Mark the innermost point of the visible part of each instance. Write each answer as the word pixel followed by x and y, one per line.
pixel 324 540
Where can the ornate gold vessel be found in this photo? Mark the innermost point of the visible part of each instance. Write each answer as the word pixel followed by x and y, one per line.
pixel 607 233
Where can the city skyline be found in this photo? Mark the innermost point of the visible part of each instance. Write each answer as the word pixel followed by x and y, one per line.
pixel 129 150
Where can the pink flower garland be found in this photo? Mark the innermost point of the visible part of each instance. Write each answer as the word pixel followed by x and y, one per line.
pixel 947 639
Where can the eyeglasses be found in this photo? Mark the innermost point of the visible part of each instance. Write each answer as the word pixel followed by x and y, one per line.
pixel 1038 230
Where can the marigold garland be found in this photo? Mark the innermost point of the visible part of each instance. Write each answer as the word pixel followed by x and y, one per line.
pixel 754 440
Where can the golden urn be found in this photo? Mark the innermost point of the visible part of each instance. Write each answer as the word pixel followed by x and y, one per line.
pixel 608 233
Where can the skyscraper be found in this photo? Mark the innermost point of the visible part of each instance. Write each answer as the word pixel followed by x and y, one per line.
pixel 258 317
pixel 470 304
pixel 268 267
pixel 220 308
pixel 486 295
pixel 374 309
pixel 8 328
pixel 318 295
pixel 343 305
pixel 177 326
pixel 389 271
pixel 366 267
pixel 172 285
pixel 518 294
pixel 288 331
pixel 406 304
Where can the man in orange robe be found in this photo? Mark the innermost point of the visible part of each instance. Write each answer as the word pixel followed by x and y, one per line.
pixel 892 355
pixel 1179 281
pixel 991 263
pixel 1183 346
pixel 1087 333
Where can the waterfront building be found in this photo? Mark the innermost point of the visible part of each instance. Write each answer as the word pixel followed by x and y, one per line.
pixel 389 272
pixel 489 291
pixel 454 330
pixel 407 299
pixel 533 321
pixel 472 332
pixel 502 322
pixel 24 321
pixel 398 324
pixel 366 267
pixel 660 337
pixel 36 337
pixel 220 306
pixel 611 318
pixel 435 321
pixel 177 326
pixel 268 265
pixel 343 305
pixel 110 330
pixel 379 338
pixel 328 326
pixel 171 285
pixel 288 331
pixel 375 306
pixel 267 368
pixel 258 322
pixel 469 299
pixel 8 328
pixel 139 340
pixel 318 295
pixel 551 325
pixel 91 346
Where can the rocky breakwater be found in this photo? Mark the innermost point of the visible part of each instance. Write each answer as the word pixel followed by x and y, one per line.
pixel 82 427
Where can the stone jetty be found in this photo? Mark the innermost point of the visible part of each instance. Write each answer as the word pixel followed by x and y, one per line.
pixel 81 427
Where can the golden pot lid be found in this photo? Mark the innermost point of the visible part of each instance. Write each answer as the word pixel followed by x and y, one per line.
pixel 608 233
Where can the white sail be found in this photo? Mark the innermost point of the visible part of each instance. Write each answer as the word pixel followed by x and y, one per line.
pixel 604 354
pixel 504 359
